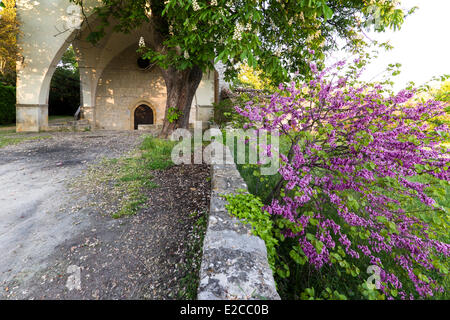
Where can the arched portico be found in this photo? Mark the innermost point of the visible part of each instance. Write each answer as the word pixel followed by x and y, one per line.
pixel 45 37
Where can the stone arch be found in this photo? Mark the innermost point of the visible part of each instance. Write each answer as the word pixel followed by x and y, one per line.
pixel 44 38
pixel 136 105
pixel 95 59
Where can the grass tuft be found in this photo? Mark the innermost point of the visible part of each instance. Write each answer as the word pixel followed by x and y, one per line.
pixel 123 183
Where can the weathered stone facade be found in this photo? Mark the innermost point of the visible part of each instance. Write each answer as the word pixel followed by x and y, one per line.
pixel 123 87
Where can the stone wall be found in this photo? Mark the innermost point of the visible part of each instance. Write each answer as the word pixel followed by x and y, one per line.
pixel 123 87
pixel 234 263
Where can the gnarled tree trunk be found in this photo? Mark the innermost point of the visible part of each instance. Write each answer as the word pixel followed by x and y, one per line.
pixel 181 87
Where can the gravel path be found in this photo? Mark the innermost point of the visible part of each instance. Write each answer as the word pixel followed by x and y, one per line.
pixel 54 246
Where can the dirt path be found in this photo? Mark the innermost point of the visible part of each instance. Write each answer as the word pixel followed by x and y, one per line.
pixel 54 246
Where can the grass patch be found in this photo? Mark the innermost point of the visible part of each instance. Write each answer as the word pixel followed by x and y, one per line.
pixel 10 137
pixel 156 153
pixel 135 173
pixel 190 282
pixel 120 185
pixel 7 131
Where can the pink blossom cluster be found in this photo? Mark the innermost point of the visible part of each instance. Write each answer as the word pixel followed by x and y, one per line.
pixel 354 147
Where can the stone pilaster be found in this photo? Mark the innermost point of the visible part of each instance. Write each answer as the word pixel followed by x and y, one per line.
pixel 31 117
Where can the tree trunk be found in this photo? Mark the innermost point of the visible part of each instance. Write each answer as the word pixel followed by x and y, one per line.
pixel 181 87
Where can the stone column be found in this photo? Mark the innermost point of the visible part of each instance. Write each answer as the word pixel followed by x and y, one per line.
pixel 87 63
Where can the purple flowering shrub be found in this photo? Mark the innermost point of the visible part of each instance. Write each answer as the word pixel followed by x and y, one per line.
pixel 358 157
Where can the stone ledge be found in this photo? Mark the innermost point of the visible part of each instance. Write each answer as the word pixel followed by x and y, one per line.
pixel 234 263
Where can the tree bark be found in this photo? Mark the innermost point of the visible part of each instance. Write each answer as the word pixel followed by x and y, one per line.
pixel 181 86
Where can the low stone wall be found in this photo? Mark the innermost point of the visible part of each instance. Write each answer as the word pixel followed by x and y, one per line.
pixel 234 263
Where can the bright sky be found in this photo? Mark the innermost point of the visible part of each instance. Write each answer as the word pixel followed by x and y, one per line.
pixel 422 45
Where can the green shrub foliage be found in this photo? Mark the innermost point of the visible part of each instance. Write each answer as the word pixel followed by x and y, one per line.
pixel 7 104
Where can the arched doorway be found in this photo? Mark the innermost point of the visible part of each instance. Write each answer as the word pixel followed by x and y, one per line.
pixel 143 115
